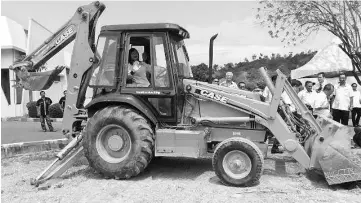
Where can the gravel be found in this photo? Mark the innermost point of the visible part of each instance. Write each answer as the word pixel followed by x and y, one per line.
pixel 166 180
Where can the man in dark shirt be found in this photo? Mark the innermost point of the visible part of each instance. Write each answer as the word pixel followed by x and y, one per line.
pixel 42 106
pixel 62 101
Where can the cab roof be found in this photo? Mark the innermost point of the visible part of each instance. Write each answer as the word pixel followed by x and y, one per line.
pixel 169 27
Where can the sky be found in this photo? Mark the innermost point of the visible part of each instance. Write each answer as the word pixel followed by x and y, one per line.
pixel 239 35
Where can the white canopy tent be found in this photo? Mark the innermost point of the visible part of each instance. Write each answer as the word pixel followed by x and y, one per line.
pixel 331 60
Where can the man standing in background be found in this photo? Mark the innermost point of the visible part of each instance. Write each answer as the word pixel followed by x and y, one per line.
pixel 321 82
pixel 62 101
pixel 356 111
pixel 42 106
pixel 215 82
pixel 307 95
pixel 229 82
pixel 242 86
pixel 322 102
pixel 343 101
pixel 296 85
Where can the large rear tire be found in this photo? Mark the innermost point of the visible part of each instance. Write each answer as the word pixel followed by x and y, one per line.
pixel 118 142
pixel 238 162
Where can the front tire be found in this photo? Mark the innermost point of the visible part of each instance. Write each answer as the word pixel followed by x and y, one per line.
pixel 238 162
pixel 118 142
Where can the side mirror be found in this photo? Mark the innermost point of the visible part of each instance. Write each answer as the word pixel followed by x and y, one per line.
pixel 211 57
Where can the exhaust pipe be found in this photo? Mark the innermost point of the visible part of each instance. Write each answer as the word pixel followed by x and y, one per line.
pixel 211 57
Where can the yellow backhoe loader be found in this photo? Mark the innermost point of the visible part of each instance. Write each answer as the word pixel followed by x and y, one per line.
pixel 146 104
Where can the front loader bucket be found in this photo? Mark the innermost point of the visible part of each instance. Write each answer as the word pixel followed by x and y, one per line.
pixel 331 152
pixel 37 81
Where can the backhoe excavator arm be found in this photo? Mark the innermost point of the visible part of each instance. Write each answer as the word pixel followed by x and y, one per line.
pixel 80 27
pixel 63 37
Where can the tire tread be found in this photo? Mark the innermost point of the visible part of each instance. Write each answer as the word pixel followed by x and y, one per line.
pixel 139 161
pixel 249 146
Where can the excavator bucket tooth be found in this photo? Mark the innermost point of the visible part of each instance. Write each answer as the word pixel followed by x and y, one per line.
pixel 332 152
pixel 37 81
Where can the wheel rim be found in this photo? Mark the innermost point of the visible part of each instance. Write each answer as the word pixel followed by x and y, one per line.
pixel 237 164
pixel 113 143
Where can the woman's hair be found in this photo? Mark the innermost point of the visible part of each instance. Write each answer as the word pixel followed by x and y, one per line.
pixel 130 55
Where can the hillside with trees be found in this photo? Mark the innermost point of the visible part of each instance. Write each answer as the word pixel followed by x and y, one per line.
pixel 247 70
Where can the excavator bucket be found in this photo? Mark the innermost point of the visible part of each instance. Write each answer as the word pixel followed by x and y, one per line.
pixel 331 152
pixel 37 81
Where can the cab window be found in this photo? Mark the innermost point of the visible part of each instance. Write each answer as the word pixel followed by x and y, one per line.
pixel 184 69
pixel 103 74
pixel 147 64
pixel 161 69
pixel 139 62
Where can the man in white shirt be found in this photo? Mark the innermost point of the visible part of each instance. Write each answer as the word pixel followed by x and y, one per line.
pixel 307 95
pixel 228 82
pixel 356 111
pixel 322 102
pixel 321 82
pixel 343 101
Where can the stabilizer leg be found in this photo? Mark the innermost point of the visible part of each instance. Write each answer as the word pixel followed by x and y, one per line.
pixel 65 159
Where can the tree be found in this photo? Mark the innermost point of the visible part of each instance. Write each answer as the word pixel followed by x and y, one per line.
pixel 229 66
pixel 294 21
pixel 254 57
pixel 246 60
pixel 290 54
pixel 200 72
pixel 273 56
pixel 216 67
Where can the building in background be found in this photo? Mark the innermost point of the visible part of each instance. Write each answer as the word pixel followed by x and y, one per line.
pixel 15 42
pixel 13 45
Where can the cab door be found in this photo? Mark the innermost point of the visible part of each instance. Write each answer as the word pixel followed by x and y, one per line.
pixel 151 78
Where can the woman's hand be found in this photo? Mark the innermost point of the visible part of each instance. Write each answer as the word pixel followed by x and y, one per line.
pixel 130 79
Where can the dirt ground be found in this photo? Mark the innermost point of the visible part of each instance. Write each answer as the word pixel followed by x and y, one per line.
pixel 167 180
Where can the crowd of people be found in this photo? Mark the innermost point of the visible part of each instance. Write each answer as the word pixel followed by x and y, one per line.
pixel 334 101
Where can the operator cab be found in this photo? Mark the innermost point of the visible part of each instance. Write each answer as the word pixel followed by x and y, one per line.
pixel 147 61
